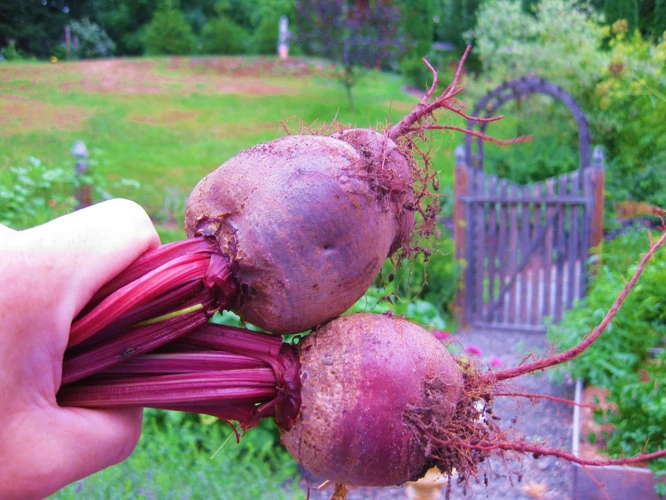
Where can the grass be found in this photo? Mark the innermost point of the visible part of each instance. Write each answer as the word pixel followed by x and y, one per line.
pixel 176 459
pixel 167 122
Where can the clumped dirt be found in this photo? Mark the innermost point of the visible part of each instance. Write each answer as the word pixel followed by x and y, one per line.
pixel 22 114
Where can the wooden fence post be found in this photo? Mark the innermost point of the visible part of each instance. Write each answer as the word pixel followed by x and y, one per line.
pixel 461 188
pixel 597 219
pixel 83 191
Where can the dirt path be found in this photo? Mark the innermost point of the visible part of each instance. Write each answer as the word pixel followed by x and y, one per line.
pixel 546 421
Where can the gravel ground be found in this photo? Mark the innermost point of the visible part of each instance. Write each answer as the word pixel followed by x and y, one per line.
pixel 545 421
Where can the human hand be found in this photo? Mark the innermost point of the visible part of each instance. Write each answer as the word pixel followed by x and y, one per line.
pixel 48 274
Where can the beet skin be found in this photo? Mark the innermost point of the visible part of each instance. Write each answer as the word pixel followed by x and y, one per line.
pixel 366 379
pixel 307 222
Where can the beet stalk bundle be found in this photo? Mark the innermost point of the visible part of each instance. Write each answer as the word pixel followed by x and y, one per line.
pixel 366 399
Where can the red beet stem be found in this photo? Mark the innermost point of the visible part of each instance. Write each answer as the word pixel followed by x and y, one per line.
pixel 216 382
pixel 150 261
pixel 232 339
pixel 184 362
pixel 130 343
pixel 223 386
pixel 170 301
pixel 157 282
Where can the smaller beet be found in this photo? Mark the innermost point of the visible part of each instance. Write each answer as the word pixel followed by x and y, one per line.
pixel 369 382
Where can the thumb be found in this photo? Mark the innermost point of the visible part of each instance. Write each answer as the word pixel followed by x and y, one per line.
pixel 76 254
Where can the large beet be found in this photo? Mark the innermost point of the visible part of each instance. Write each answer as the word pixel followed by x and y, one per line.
pixel 366 382
pixel 307 222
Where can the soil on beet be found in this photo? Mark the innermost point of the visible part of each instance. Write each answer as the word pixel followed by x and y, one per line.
pixel 545 422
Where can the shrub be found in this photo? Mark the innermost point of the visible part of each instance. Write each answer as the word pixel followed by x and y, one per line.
pixel 10 52
pixel 624 363
pixel 628 113
pixel 560 42
pixel 34 193
pixel 93 40
pixel 31 193
pixel 416 22
pixel 265 37
pixel 614 10
pixel 168 32
pixel 222 36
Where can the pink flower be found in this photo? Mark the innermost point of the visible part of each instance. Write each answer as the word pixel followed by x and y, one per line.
pixel 473 350
pixel 441 335
pixel 495 362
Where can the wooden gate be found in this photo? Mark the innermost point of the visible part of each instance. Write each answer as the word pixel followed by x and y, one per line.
pixel 525 249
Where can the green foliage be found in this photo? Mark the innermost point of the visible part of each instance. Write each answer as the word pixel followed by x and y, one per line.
pixel 176 459
pixel 124 21
pixel 628 112
pixel 552 151
pixel 36 27
pixel 222 36
pixel 29 193
pixel 93 40
pixel 422 289
pixel 659 18
pixel 560 42
pixel 458 17
pixel 34 193
pixel 416 21
pixel 614 10
pixel 265 38
pixel 623 360
pixel 10 52
pixel 168 32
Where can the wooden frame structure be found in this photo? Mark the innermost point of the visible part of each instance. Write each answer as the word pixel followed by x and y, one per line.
pixel 524 249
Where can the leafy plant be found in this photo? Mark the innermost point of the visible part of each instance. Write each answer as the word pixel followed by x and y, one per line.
pixel 628 114
pixel 35 192
pixel 31 193
pixel 625 362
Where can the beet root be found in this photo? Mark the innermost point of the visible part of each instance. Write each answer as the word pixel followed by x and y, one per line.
pixel 307 222
pixel 366 379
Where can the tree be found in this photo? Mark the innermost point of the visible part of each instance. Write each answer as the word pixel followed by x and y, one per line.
pixel 124 21
pixel 622 9
pixel 659 18
pixel 416 22
pixel 364 34
pixel 168 32
pixel 36 27
pixel 221 35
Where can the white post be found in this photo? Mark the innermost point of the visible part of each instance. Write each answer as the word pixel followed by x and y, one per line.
pixel 283 38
